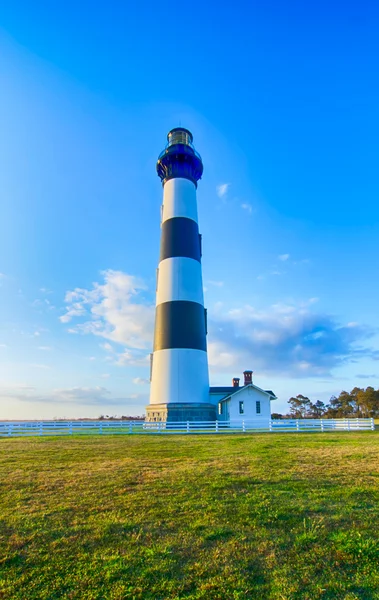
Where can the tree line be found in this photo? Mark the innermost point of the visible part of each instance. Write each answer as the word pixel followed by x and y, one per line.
pixel 359 402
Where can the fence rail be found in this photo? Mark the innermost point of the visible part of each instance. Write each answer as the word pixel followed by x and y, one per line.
pixel 45 428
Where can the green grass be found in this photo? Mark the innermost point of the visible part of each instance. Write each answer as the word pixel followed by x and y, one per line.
pixel 281 516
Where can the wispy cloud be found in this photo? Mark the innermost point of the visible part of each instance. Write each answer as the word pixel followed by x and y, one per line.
pixel 215 283
pixel 69 397
pixel 108 347
pixel 274 273
pixel 247 207
pixel 45 348
pixel 43 304
pixel 222 189
pixel 141 381
pixel 364 376
pixel 283 257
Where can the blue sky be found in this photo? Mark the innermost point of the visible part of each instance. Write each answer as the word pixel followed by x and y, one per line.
pixel 282 99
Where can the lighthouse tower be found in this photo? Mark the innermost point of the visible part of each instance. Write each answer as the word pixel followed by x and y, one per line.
pixel 179 369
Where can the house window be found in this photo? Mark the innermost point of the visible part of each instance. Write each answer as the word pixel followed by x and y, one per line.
pixel 241 407
pixel 220 408
pixel 258 407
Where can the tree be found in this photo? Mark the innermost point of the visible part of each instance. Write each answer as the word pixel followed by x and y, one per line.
pixel 366 401
pixel 317 410
pixel 359 402
pixel 343 406
pixel 299 406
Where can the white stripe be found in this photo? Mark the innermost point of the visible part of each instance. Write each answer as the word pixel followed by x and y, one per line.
pixel 180 278
pixel 179 375
pixel 179 199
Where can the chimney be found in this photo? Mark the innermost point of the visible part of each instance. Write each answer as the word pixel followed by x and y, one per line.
pixel 248 377
pixel 236 381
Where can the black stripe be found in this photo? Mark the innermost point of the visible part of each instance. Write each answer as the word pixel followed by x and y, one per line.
pixel 180 237
pixel 180 324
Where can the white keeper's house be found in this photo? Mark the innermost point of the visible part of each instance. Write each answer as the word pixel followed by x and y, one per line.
pixel 242 403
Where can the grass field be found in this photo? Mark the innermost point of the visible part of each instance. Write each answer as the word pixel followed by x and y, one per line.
pixel 281 516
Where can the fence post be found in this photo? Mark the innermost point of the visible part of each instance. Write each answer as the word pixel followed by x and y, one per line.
pixel 243 427
pixel 216 426
pixel 41 428
pixel 131 427
pixel 297 424
pixel 101 427
pixel 372 425
pixel 348 424
pixel 270 425
pixel 10 427
pixel 159 427
pixel 70 428
pixel 322 425
pixel 188 427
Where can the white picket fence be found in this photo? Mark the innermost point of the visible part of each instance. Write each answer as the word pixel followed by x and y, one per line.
pixel 44 428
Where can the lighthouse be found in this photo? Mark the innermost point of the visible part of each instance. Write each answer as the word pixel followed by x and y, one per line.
pixel 179 363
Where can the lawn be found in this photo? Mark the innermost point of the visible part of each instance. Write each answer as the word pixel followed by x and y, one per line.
pixel 280 516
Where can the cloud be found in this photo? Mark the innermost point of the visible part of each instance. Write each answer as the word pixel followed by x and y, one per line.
pixel 106 346
pixel 91 396
pixel 45 348
pixel 141 381
pixel 43 304
pixel 284 340
pixel 222 189
pixel 3 346
pixel 283 257
pixel 82 395
pixel 114 310
pixel 132 358
pixel 215 283
pixel 363 376
pixel 248 207
pixel 274 273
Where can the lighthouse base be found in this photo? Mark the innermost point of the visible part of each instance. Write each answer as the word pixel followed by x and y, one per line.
pixel 179 412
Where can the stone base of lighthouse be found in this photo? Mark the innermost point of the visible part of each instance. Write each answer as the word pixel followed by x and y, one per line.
pixel 179 412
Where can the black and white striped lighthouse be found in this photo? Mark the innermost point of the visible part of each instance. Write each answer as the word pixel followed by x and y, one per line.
pixel 179 370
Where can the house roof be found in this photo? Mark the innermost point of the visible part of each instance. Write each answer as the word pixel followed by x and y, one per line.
pixel 229 391
pixel 223 390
